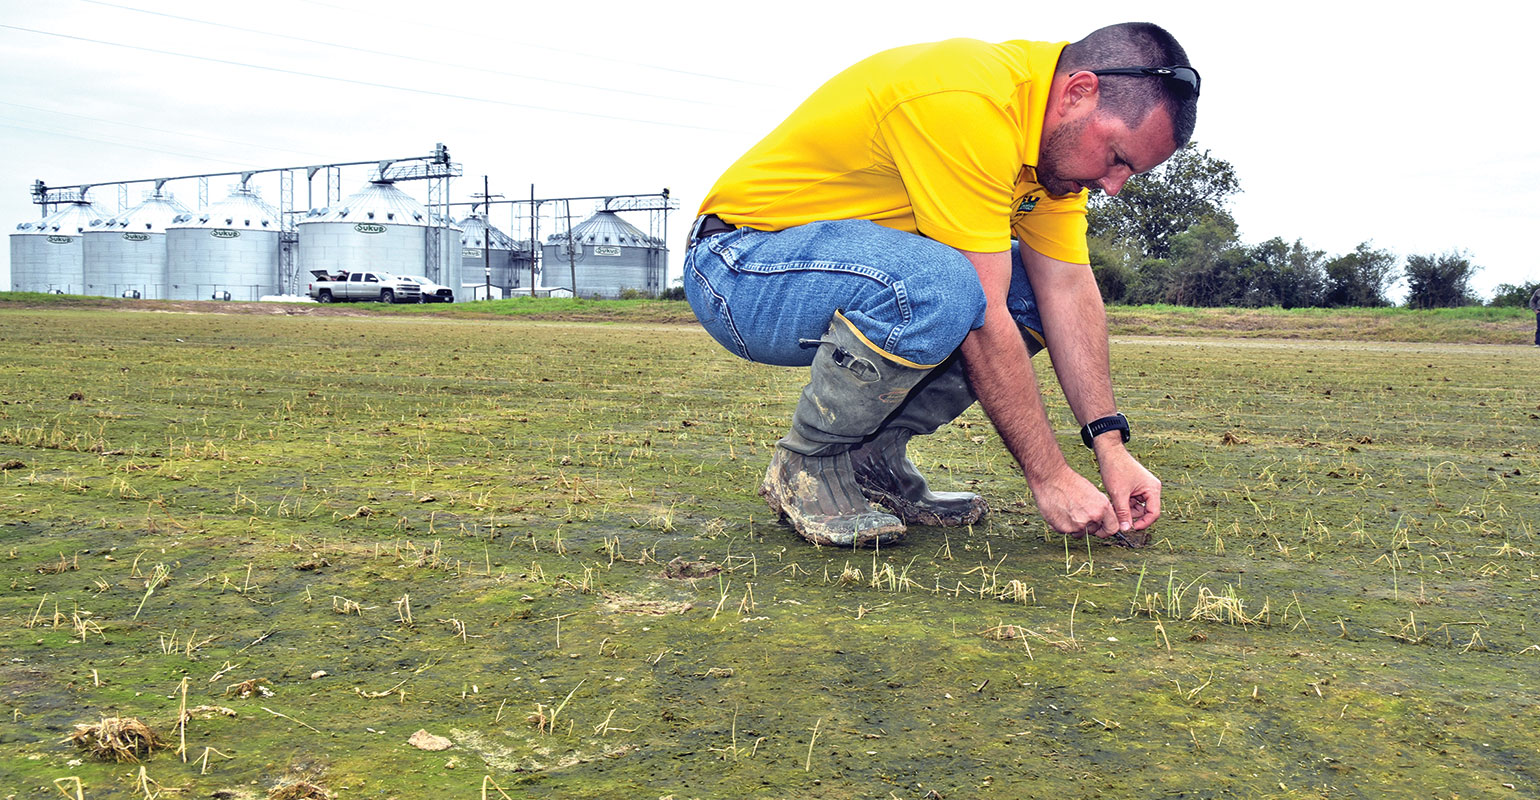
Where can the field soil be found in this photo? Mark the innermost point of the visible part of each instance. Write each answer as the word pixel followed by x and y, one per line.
pixel 289 540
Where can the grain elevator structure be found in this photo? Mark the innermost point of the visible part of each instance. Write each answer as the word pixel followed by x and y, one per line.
pixel 275 228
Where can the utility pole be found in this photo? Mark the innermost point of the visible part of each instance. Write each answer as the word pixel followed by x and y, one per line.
pixel 571 250
pixel 534 238
pixel 486 234
pixel 663 283
pixel 486 237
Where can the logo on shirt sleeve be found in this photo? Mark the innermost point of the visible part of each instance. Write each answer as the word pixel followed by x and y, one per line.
pixel 1027 204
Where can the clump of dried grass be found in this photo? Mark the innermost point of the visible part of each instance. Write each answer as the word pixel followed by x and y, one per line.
pixel 301 783
pixel 298 789
pixel 1227 607
pixel 116 739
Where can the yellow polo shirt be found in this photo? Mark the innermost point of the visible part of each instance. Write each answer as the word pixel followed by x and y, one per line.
pixel 937 139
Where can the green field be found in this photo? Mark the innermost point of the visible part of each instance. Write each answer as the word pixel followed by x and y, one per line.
pixel 540 540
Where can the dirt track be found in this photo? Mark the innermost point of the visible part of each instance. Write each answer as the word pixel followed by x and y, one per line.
pixel 206 307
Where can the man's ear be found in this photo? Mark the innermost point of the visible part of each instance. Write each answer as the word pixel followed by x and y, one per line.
pixel 1080 93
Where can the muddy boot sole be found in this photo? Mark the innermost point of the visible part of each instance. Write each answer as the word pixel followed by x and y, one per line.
pixel 887 477
pixel 949 510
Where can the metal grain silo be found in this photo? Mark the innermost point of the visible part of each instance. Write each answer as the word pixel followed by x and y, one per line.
pixel 49 255
pixel 609 256
pixel 446 235
pixel 380 228
pixel 509 258
pixel 125 256
pixel 229 252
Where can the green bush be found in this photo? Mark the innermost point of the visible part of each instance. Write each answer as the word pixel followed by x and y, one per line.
pixel 1507 294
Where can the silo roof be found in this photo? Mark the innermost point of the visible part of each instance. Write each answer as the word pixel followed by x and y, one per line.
pixel 68 219
pixel 382 203
pixel 153 215
pixel 475 227
pixel 242 209
pixel 607 228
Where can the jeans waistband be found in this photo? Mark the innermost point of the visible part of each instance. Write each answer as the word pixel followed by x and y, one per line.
pixel 708 225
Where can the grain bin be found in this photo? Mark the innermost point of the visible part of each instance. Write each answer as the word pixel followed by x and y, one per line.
pixel 609 255
pixel 48 255
pixel 125 256
pixel 382 229
pixel 509 258
pixel 229 252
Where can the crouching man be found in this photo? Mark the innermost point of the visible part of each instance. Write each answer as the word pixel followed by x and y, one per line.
pixel 915 232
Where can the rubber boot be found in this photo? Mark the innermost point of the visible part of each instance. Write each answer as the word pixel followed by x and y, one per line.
pixel 811 482
pixel 883 469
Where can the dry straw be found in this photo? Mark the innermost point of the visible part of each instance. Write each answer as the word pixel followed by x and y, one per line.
pixel 116 739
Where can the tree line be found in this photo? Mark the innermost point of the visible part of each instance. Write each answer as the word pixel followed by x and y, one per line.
pixel 1168 237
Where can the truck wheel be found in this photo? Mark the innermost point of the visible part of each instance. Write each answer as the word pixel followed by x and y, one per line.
pixel 324 297
pixel 387 296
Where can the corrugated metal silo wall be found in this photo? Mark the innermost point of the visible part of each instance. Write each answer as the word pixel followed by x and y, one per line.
pixel 339 246
pixel 505 268
pixel 201 262
pixel 606 271
pixel 118 261
pixel 451 270
pixel 48 262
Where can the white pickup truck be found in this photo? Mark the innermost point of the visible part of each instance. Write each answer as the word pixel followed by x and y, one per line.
pixel 381 286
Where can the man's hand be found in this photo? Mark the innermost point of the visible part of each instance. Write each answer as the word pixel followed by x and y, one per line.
pixel 1069 504
pixel 1133 490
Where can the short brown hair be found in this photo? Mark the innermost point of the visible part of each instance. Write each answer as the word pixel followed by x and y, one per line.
pixel 1131 98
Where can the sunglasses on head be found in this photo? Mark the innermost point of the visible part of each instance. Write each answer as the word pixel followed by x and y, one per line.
pixel 1181 73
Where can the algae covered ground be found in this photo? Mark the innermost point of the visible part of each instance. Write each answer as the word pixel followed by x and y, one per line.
pixel 287 543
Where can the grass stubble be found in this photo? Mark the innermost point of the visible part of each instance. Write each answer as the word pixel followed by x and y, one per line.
pixel 324 534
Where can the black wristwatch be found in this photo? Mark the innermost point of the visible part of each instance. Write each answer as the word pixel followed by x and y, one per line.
pixel 1097 427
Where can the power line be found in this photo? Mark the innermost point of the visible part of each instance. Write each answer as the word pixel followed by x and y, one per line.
pixel 161 130
pixel 386 54
pixel 428 92
pixel 418 22
pixel 121 144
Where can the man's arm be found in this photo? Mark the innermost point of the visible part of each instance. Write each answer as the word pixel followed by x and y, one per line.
pixel 1002 377
pixel 1075 328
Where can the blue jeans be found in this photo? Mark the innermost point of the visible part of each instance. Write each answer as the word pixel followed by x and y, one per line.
pixel 758 293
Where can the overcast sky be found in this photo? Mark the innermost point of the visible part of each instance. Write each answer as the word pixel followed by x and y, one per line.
pixel 1406 124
